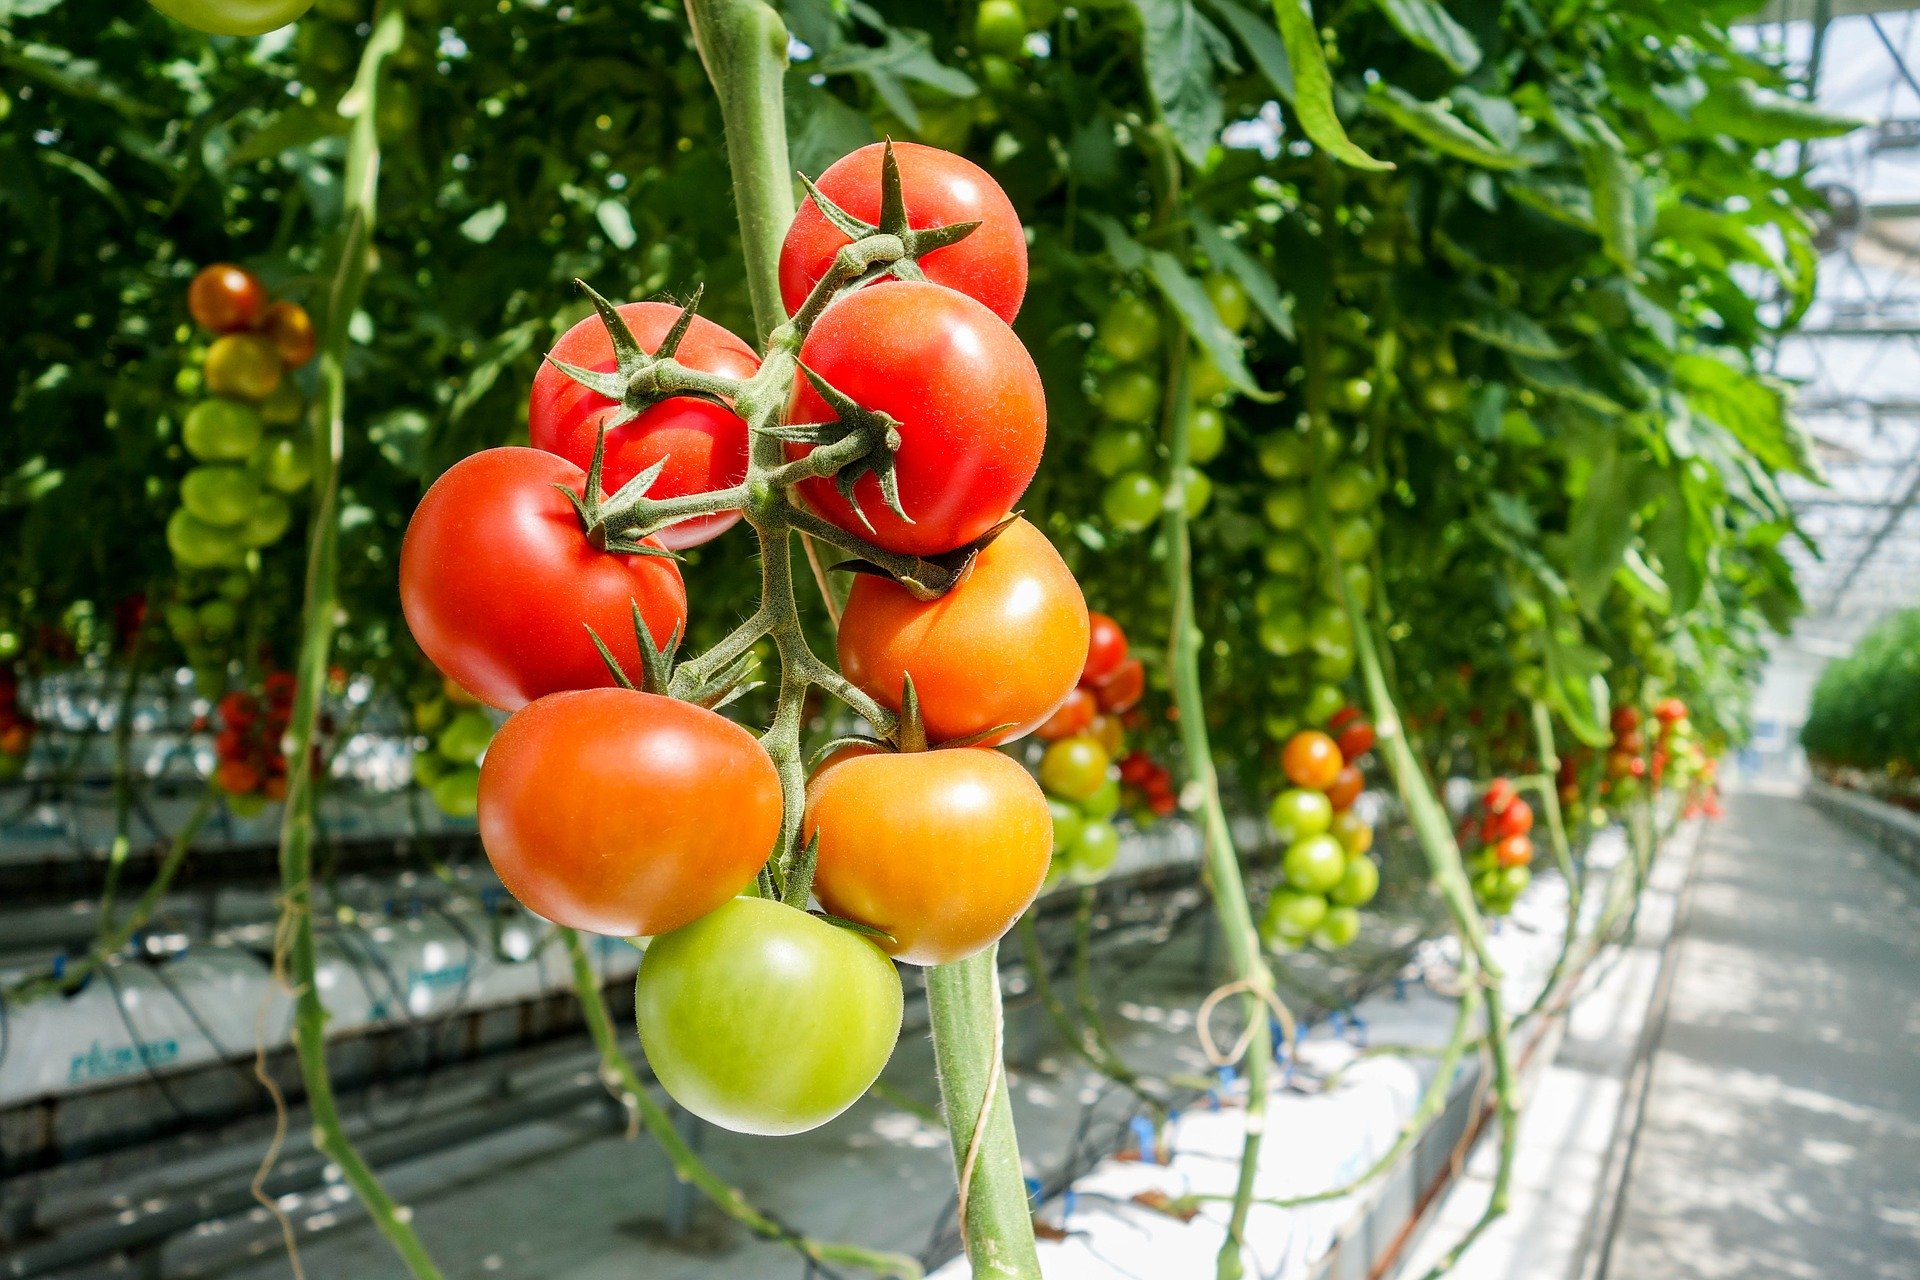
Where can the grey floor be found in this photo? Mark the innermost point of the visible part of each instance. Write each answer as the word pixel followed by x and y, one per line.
pixel 1781 1136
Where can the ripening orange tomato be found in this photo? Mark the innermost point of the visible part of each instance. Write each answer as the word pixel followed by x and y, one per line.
pixel 224 298
pixel 1004 647
pixel 1345 788
pixel 288 326
pixel 941 849
pixel 1311 759
pixel 1074 715
pixel 1514 851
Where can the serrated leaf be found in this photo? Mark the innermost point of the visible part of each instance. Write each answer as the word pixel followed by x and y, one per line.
pixel 1511 330
pixel 1613 183
pixel 1428 26
pixel 1602 525
pixel 1313 86
pixel 1179 48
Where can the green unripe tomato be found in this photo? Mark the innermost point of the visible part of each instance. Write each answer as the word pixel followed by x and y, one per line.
pixel 1118 449
pixel 1330 443
pixel 1315 865
pixel 1359 576
pixel 1094 852
pixel 286 465
pixel 1275 595
pixel 1444 395
pixel 763 1019
pixel 1514 880
pixel 233 17
pixel 199 545
pixel 1206 433
pixel 1279 728
pixel 1130 395
pixel 1350 395
pixel 456 793
pixel 221 430
pixel 1338 930
pixel 1196 490
pixel 1330 632
pixel 1300 814
pixel 1132 502
pixel 282 408
pixel 1358 885
pixel 1287 508
pixel 1482 860
pixel 1285 455
pixel 1074 768
pixel 217 618
pixel 219 495
pixel 1333 665
pixel 1130 330
pixel 1284 634
pixel 236 586
pixel 1230 301
pixel 1323 704
pixel 1293 914
pixel 1350 488
pixel 466 736
pixel 1352 539
pixel 1205 379
pixel 1068 822
pixel 269 522
pixel 1287 555
pixel 999 26
pixel 1486 886
pixel 1105 802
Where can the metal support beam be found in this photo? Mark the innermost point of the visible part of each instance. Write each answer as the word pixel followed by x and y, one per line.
pixel 1895 514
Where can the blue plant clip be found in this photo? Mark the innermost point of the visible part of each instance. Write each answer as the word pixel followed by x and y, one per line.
pixel 1033 1189
pixel 1143 1139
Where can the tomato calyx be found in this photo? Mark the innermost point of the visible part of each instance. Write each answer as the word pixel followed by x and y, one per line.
pixel 657 669
pixel 639 380
pixel 913 244
pixel 863 442
pixel 924 577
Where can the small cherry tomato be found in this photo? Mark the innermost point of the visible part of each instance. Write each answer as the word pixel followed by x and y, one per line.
pixel 1355 740
pixel 1106 648
pixel 563 779
pixel 1299 814
pixel 224 298
pixel 1353 832
pixel 290 329
pixel 1345 788
pixel 1074 715
pixel 1338 930
pixel 1004 647
pixel 1625 720
pixel 1132 501
pixel 1108 732
pixel 1291 913
pixel 242 365
pixel 1315 865
pixel 1122 690
pixel 1358 885
pixel 763 1019
pixel 1514 851
pixel 1514 820
pixel 1311 759
pixel 941 849
pixel 1074 768
pixel 1500 793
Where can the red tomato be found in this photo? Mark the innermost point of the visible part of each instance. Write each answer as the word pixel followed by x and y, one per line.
pixel 288 326
pixel 564 783
pixel 939 189
pixel 1500 794
pixel 1632 742
pixel 1106 648
pixel 224 298
pixel 1514 820
pixel 1136 767
pixel 1625 720
pixel 1670 711
pixel 972 413
pixel 1074 715
pixel 1311 760
pixel 1003 647
pixel 1343 717
pixel 497 579
pixel 1355 740
pixel 236 777
pixel 941 849
pixel 704 443
pixel 1345 788
pixel 1514 851
pixel 1122 690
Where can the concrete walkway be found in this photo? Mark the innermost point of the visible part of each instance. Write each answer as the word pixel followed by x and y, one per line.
pixel 1781 1134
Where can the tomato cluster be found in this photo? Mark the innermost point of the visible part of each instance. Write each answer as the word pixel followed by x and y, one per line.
pixel 251 766
pixel 16 726
pixel 1084 738
pixel 1501 864
pixel 448 770
pixel 610 806
pixel 1328 873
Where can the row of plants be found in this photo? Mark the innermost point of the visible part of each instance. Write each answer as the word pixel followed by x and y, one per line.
pixel 1387 372
pixel 1863 726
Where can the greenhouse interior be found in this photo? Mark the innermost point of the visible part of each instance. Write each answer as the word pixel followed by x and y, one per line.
pixel 1212 639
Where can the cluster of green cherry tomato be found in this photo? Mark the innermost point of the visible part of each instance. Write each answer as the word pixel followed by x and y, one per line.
pixel 446 766
pixel 624 811
pixel 1325 859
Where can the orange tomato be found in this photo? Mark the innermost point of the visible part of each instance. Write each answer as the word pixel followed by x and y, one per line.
pixel 223 298
pixel 288 326
pixel 941 849
pixel 1514 851
pixel 1311 759
pixel 1074 715
pixel 1345 788
pixel 1004 647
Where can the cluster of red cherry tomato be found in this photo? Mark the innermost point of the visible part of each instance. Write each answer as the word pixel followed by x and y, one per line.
pixel 1329 874
pixel 627 812
pixel 16 726
pixel 1085 737
pixel 1501 865
pixel 252 765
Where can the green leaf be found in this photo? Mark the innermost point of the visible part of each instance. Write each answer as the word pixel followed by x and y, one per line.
pixel 1615 200
pixel 1262 43
pixel 1180 48
pixel 1313 86
pixel 1261 288
pixel 1601 526
pixel 1427 25
pixel 1752 409
pixel 1560 378
pixel 92 177
pixel 506 348
pixel 1440 129
pixel 1742 109
pixel 1669 535
pixel 1511 330
pixel 1576 690
pixel 1195 309
pixel 297 126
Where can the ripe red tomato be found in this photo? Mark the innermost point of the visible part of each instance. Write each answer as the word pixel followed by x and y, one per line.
pixel 939 189
pixel 972 413
pixel 1670 711
pixel 1005 646
pixel 1122 690
pixel 1074 715
pixel 1514 820
pixel 288 326
pixel 1500 793
pixel 1632 742
pixel 763 1019
pixel 1106 648
pixel 1625 720
pixel 1310 759
pixel 1355 740
pixel 1343 717
pixel 497 578
pixel 941 849
pixel 1514 851
pixel 1345 788
pixel 561 784
pixel 705 444
pixel 224 298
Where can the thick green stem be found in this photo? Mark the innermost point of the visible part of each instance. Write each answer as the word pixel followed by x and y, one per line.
pixel 1547 787
pixel 996 1223
pixel 294 945
pixel 618 1074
